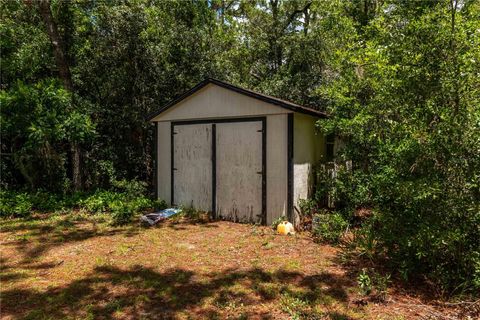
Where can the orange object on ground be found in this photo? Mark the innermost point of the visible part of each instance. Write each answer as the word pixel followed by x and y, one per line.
pixel 285 228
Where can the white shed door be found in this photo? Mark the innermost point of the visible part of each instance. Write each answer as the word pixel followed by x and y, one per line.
pixel 192 166
pixel 239 171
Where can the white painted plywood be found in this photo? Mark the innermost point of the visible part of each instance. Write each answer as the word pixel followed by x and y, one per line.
pixel 308 150
pixel 193 166
pixel 277 166
pixel 239 166
pixel 163 161
pixel 213 101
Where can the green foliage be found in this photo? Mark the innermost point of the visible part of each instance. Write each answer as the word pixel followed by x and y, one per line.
pixel 14 204
pixel 132 189
pixel 277 221
pixel 122 212
pixel 100 201
pixel 294 306
pixel 370 281
pixel 364 282
pixel 191 213
pixel 307 206
pixel 194 215
pixel 122 203
pixel 405 102
pixel 39 122
pixel 329 226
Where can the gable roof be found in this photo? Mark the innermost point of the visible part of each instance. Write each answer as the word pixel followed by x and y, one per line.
pixel 256 95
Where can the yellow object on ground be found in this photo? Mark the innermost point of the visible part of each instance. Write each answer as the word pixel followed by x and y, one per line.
pixel 285 228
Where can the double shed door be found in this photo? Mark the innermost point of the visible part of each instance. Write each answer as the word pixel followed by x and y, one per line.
pixel 219 167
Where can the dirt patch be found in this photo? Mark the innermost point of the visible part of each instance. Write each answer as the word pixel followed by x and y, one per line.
pixel 63 267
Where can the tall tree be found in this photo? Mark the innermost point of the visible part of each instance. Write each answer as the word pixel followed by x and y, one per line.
pixel 66 78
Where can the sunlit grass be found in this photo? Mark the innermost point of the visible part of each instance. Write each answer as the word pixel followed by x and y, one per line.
pixel 77 265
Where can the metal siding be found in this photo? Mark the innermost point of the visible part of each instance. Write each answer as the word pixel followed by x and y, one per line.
pixel 192 171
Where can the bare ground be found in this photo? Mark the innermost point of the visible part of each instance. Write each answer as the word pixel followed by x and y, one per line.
pixel 79 267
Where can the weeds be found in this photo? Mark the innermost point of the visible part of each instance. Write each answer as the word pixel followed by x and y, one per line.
pixel 370 282
pixel 122 202
pixel 329 227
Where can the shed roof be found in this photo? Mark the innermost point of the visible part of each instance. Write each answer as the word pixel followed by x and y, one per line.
pixel 256 95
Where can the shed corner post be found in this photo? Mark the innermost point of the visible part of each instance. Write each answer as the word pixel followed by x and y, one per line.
pixel 290 186
pixel 264 170
pixel 155 159
pixel 214 171
pixel 172 163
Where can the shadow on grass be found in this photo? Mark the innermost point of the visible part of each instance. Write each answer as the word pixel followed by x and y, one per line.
pixel 185 223
pixel 34 238
pixel 145 293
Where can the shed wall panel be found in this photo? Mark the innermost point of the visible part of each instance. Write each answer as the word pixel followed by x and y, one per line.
pixel 277 166
pixel 163 161
pixel 192 152
pixel 276 154
pixel 309 149
pixel 238 171
pixel 216 102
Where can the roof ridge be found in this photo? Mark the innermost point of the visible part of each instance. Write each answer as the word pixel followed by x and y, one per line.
pixel 254 94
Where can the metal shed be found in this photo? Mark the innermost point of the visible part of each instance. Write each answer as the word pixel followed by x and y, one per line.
pixel 239 154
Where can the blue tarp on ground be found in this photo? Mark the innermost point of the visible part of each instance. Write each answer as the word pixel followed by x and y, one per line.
pixel 156 217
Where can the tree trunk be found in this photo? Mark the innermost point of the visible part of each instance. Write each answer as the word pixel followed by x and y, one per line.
pixel 65 76
pixel 76 165
pixel 57 43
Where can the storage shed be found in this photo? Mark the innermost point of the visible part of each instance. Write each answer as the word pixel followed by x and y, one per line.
pixel 239 154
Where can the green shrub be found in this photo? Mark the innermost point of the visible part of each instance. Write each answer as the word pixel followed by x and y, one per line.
pixel 364 282
pixel 122 206
pixel 329 226
pixel 347 190
pixel 307 206
pixel 122 212
pixel 13 204
pixel 45 201
pixel 194 215
pixel 420 228
pixel 126 199
pixel 130 188
pixel 370 282
pixel 425 223
pixel 159 204
pixel 100 201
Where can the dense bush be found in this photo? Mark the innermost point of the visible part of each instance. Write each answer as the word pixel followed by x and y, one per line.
pixel 436 231
pixel 418 225
pixel 406 105
pixel 124 201
pixel 39 122
pixel 329 226
pixel 15 204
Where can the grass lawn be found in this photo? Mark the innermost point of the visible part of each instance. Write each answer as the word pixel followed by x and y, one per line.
pixel 79 267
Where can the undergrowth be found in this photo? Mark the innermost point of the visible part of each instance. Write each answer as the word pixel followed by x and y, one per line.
pixel 122 201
